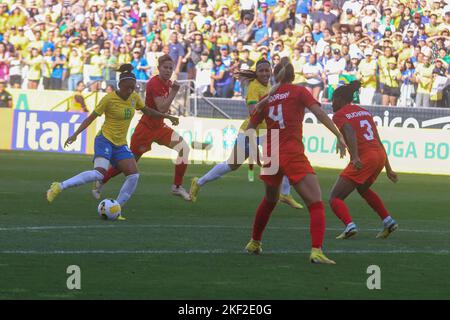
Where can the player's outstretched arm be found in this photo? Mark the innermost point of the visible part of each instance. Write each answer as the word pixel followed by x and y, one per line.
pixel 323 117
pixel 86 123
pixel 262 103
pixel 352 144
pixel 389 172
pixel 163 104
pixel 156 114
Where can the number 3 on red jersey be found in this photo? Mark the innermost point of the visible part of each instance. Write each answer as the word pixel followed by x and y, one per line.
pixel 279 117
pixel 369 135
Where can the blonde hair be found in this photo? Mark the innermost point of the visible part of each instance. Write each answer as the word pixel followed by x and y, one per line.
pixel 284 71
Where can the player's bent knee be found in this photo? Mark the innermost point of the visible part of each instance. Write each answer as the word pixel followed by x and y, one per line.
pixel 101 163
pixel 99 173
pixel 184 151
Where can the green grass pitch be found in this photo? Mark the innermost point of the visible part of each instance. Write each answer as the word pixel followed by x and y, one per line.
pixel 171 249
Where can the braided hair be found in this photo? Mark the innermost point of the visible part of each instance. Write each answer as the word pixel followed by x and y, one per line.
pixel 126 72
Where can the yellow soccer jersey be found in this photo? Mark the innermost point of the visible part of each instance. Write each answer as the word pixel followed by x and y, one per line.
pixel 368 71
pixel 382 65
pixel 255 92
pixel 425 78
pixel 391 77
pixel 298 70
pixel 118 115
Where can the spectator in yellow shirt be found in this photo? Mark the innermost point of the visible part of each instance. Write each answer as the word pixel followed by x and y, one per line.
pixel 77 103
pixel 391 90
pixel 432 28
pixel 19 39
pixel 280 16
pixel 298 61
pixel 97 63
pixel 424 79
pixel 5 97
pixel 38 42
pixel 4 17
pixel 75 66
pixel 123 57
pixel 34 63
pixel 367 73
pixel 18 18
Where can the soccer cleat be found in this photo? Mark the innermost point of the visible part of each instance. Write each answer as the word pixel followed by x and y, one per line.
pixel 121 218
pixel 254 247
pixel 53 192
pixel 251 175
pixel 318 257
pixel 181 192
pixel 290 201
pixel 391 227
pixel 97 189
pixel 195 188
pixel 349 232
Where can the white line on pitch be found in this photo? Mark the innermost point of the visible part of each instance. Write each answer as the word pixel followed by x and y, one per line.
pixel 218 251
pixel 184 226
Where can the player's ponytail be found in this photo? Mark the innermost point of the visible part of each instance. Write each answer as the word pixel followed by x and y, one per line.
pixel 127 67
pixel 284 71
pixel 126 72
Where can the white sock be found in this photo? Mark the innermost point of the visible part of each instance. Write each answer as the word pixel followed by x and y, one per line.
pixel 82 178
pixel 215 173
pixel 387 220
pixel 285 186
pixel 350 226
pixel 128 188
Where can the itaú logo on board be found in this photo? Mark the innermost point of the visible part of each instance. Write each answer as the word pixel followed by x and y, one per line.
pixel 47 131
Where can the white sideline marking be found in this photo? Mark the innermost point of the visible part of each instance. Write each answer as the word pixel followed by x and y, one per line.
pixel 184 226
pixel 218 251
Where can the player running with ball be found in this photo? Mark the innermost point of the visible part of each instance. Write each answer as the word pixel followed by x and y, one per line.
pixel 368 158
pixel 257 89
pixel 159 95
pixel 284 115
pixel 110 143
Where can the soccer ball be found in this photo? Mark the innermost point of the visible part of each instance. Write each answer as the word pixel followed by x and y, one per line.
pixel 109 209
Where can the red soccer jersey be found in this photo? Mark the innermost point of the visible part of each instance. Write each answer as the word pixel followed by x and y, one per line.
pixel 362 123
pixel 285 111
pixel 155 87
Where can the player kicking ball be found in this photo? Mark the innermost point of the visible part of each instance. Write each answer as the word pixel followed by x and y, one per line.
pixel 258 88
pixel 159 95
pixel 368 158
pixel 284 114
pixel 110 143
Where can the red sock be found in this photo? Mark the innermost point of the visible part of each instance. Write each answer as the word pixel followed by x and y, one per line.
pixel 375 203
pixel 262 217
pixel 317 223
pixel 340 210
pixel 111 173
pixel 180 170
pixel 250 166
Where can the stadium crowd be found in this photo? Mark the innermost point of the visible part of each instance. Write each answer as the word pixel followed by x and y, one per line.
pixel 399 49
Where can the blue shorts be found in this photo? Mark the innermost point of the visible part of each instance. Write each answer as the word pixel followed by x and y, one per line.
pixel 245 144
pixel 106 149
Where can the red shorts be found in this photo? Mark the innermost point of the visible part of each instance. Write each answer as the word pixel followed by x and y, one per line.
pixel 373 163
pixel 143 137
pixel 295 167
